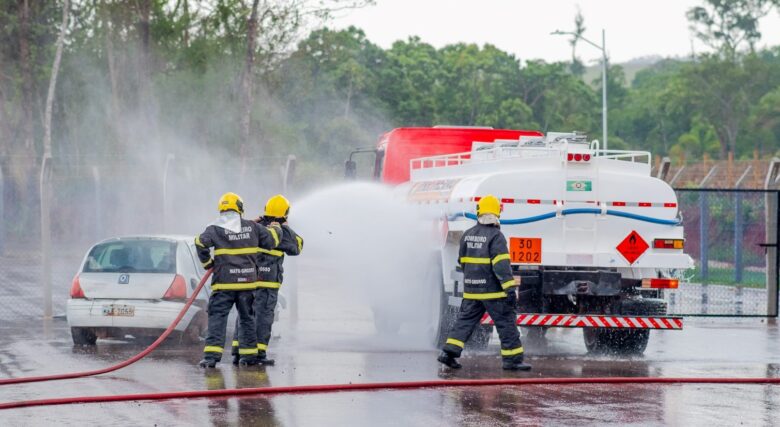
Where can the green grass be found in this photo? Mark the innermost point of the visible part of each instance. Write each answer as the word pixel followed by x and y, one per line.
pixel 725 276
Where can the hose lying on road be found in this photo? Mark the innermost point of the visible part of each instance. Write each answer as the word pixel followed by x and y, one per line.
pixel 327 388
pixel 127 362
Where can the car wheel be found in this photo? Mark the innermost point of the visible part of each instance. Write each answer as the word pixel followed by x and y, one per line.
pixel 83 336
pixel 195 329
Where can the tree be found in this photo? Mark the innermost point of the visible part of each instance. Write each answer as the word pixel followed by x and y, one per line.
pixel 55 69
pixel 725 25
pixel 577 67
pixel 559 100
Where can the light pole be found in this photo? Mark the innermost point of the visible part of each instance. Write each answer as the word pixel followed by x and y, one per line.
pixel 603 49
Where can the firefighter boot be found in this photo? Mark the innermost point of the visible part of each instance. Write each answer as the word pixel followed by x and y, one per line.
pixel 236 359
pixel 515 364
pixel 264 360
pixel 447 359
pixel 248 361
pixel 208 363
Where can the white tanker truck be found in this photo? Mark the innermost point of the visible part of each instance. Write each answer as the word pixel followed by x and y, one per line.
pixel 593 236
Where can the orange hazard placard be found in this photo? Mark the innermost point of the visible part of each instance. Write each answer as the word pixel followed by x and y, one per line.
pixel 525 250
pixel 632 247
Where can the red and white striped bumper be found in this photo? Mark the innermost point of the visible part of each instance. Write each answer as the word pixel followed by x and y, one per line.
pixel 594 321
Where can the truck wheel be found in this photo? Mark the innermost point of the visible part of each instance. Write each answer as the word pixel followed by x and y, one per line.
pixel 385 324
pixel 83 336
pixel 616 341
pixel 480 338
pixel 447 317
pixel 534 337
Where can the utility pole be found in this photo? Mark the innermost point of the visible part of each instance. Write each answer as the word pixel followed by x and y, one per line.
pixel 603 48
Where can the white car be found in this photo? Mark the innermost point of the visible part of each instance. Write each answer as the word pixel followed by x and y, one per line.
pixel 137 286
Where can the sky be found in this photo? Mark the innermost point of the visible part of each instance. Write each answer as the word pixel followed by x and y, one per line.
pixel 634 28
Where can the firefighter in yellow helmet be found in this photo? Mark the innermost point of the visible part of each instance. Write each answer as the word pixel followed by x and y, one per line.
pixel 236 243
pixel 487 282
pixel 269 271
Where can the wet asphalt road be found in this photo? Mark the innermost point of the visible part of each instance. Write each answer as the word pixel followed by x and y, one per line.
pixel 325 348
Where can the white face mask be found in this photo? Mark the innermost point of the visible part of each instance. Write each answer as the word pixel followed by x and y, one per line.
pixel 488 219
pixel 229 220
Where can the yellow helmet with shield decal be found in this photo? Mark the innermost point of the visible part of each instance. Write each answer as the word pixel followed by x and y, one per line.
pixel 277 207
pixel 231 202
pixel 489 205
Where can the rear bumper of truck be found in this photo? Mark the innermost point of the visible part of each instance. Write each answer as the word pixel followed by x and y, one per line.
pixel 594 321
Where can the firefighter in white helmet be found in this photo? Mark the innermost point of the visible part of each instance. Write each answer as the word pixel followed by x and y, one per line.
pixel 269 272
pixel 487 281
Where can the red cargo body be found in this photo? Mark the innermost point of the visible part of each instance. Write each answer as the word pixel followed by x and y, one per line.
pixel 404 144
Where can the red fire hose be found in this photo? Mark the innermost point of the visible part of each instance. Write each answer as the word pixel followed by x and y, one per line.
pixel 326 388
pixel 127 362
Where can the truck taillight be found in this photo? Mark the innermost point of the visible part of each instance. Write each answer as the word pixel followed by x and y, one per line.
pixel 75 288
pixel 668 243
pixel 578 157
pixel 660 283
pixel 178 289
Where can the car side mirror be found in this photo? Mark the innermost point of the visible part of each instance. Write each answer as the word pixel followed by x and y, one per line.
pixel 350 169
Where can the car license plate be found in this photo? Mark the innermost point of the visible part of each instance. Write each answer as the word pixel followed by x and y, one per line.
pixel 119 310
pixel 525 250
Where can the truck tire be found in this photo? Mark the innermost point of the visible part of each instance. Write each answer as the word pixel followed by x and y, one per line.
pixel 643 307
pixel 480 338
pixel 534 337
pixel 623 342
pixel 83 336
pixel 385 324
pixel 447 317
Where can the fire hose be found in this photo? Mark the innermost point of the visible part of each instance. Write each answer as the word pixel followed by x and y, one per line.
pixel 329 388
pixel 127 362
pixel 325 388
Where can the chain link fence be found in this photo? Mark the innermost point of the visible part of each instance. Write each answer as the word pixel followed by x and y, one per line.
pixel 726 235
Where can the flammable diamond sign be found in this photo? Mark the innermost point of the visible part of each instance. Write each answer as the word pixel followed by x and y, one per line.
pixel 632 247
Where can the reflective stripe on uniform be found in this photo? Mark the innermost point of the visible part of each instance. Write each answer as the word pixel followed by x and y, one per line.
pixel 269 285
pixel 206 264
pixel 235 343
pixel 512 352
pixel 453 341
pixel 473 260
pixel 244 351
pixel 197 242
pixel 499 258
pixel 508 284
pixel 276 236
pixel 262 347
pixel 300 243
pixel 236 251
pixel 213 349
pixel 248 286
pixel 272 252
pixel 492 295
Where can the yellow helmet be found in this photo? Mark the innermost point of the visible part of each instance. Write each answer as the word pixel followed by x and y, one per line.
pixel 231 202
pixel 489 205
pixel 277 207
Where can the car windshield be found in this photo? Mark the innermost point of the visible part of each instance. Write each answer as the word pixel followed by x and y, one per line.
pixel 129 256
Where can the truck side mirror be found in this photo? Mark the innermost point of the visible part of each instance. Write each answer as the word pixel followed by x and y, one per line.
pixel 350 169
